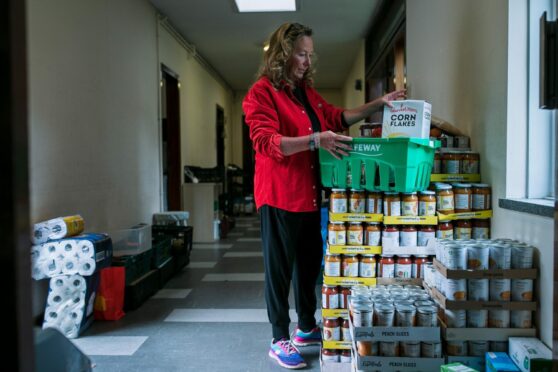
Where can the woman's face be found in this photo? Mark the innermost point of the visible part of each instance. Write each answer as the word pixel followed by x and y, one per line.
pixel 300 61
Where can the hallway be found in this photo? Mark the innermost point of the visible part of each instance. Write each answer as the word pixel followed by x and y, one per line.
pixel 210 317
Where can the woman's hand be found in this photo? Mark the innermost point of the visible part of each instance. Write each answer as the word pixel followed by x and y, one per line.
pixel 395 95
pixel 335 144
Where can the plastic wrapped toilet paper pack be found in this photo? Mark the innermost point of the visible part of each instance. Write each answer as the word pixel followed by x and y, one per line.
pixel 69 305
pixel 81 255
pixel 57 228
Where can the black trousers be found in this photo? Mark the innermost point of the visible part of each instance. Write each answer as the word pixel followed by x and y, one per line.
pixel 292 249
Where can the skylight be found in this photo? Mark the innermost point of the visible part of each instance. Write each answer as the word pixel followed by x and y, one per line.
pixel 266 5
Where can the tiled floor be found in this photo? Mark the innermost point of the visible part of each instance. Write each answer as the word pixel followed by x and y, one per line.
pixel 209 317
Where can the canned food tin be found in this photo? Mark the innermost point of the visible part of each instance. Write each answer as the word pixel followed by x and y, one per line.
pixel 498 318
pixel 456 348
pixel 367 348
pixel 522 289
pixel 389 348
pixel 456 289
pixel 362 316
pixel 521 319
pixel 427 316
pixel 456 257
pixel 499 346
pixel 477 318
pixel 405 315
pixel 500 256
pixel 384 315
pixel 522 257
pixel 477 257
pixel 477 290
pixel 500 289
pixel 478 348
pixel 420 303
pixel 410 349
pixel 431 349
pixel 456 318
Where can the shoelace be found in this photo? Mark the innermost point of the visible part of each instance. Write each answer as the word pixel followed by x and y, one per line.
pixel 288 347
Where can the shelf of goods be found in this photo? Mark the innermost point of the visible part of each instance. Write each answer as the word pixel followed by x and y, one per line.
pixel 454 177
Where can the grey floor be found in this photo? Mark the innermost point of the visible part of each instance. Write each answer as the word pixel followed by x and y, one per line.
pixel 209 317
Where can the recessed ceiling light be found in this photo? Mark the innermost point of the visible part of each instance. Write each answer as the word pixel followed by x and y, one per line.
pixel 266 5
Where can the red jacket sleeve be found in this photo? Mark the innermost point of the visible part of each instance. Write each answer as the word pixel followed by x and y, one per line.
pixel 261 117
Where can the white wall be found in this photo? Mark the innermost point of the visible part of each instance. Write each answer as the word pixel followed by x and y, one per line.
pixel 457 58
pixel 351 97
pixel 199 95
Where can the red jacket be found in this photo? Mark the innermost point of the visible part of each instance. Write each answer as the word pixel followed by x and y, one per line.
pixel 286 182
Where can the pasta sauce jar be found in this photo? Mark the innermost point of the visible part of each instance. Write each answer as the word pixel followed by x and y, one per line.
pixel 374 203
pixel 409 204
pixel 387 267
pixel 463 197
pixel 330 297
pixel 355 233
pixel 349 265
pixel 392 204
pixel 391 232
pixel 427 203
pixel 367 267
pixel 462 229
pixel 451 162
pixel 470 162
pixel 356 201
pixel 332 265
pixel 336 233
pixel 445 230
pixel 481 197
pixel 373 234
pixel 444 198
pixel 338 201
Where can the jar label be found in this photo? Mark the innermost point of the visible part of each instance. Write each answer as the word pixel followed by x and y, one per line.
pixel 481 202
pixel 335 237
pixel 373 238
pixel 403 270
pixel 452 166
pixel 470 166
pixel 367 269
pixel 427 208
pixel 437 166
pixel 330 301
pixel 332 268
pixel 444 202
pixel 374 205
pixel 408 238
pixel 355 237
pixel 424 236
pixel 480 233
pixel 387 271
pixel 346 332
pixel 393 235
pixel 409 208
pixel 338 205
pixel 350 269
pixel 462 233
pixel 332 334
pixel 392 208
pixel 462 201
pixel 444 234
pixel 356 205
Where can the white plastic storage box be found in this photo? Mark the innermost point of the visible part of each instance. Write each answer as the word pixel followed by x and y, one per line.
pixel 134 240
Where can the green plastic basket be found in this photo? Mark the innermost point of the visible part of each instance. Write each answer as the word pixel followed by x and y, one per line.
pixel 381 164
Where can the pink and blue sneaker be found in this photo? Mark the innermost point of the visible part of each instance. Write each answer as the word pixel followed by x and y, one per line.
pixel 286 354
pixel 314 337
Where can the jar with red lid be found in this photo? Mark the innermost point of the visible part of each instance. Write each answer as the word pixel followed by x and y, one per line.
pixel 424 234
pixel 330 355
pixel 462 229
pixel 344 293
pixel 387 267
pixel 332 329
pixel 444 230
pixel 408 236
pixel 391 233
pixel 330 297
pixel 345 332
pixel 417 266
pixel 403 266
pixel 346 356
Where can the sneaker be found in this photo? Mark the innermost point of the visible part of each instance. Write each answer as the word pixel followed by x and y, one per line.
pixel 286 354
pixel 314 337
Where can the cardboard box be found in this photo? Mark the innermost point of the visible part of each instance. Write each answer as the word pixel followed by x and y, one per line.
pixel 474 362
pixel 524 349
pixel 457 367
pixel 499 362
pixel 409 118
pixel 394 333
pixel 485 334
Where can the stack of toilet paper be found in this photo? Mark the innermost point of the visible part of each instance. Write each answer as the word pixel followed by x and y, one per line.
pixel 73 265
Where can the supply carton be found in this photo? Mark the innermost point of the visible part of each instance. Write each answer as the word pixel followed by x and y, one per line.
pixel 524 349
pixel 456 367
pixel 408 118
pixel 499 362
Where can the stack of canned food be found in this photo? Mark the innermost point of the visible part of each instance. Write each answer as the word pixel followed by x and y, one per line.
pixel 394 306
pixel 372 266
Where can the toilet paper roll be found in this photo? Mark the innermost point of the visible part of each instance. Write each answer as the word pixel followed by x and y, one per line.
pixel 86 267
pixel 70 265
pixel 76 283
pixel 50 267
pixel 57 228
pixel 85 249
pixel 55 299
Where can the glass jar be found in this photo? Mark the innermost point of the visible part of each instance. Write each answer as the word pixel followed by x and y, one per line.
pixel 344 293
pixel 392 204
pixel 373 234
pixel 345 330
pixel 374 202
pixel 336 233
pixel 417 267
pixel 355 233
pixel 409 204
pixel 408 236
pixel 356 201
pixel 338 201
pixel 427 203
pixel 451 162
pixel 425 233
pixel 332 329
pixel 349 265
pixel 330 297
pixel 470 163
pixel 444 230
pixel 462 229
pixel 387 267
pixel 346 356
pixel 390 232
pixel 482 195
pixel 332 265
pixel 403 267
pixel 444 198
pixel 330 355
pixel 437 165
pixel 480 229
pixel 367 267
pixel 463 197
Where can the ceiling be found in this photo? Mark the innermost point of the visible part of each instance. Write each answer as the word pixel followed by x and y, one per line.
pixel 231 42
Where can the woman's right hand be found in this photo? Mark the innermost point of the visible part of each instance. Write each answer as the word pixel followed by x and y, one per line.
pixel 335 144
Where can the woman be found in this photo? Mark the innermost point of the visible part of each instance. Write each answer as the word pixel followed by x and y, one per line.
pixel 288 121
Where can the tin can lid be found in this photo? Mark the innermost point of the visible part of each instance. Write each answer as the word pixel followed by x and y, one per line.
pixel 338 190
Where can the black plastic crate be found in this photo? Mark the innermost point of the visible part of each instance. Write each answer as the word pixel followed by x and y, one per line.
pixel 140 290
pixel 135 265
pixel 161 250
pixel 166 271
pixel 181 244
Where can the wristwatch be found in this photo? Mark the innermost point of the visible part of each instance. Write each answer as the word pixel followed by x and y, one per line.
pixel 312 143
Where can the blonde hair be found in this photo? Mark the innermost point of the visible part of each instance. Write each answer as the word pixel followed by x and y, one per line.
pixel 281 48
